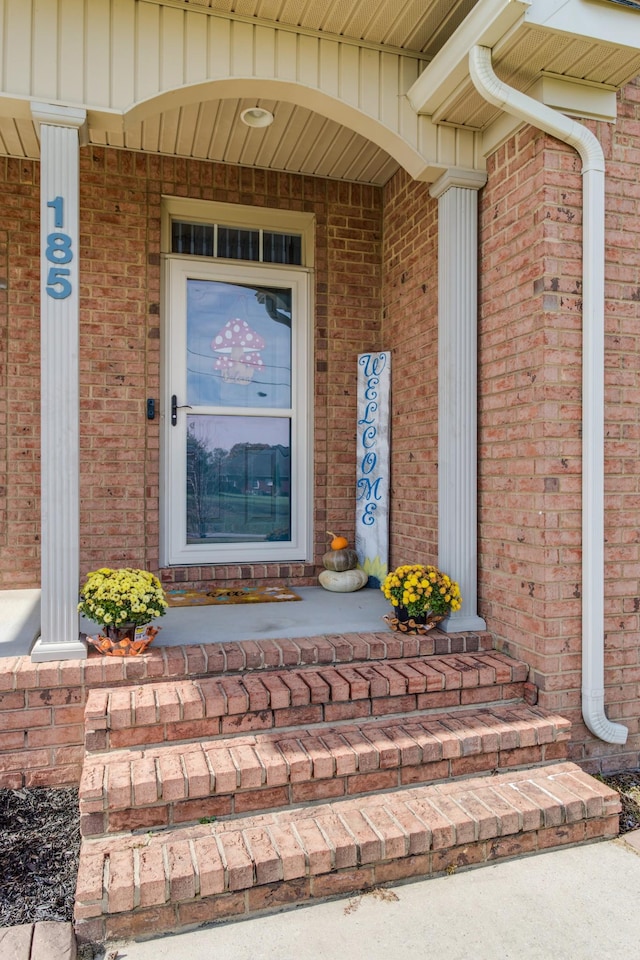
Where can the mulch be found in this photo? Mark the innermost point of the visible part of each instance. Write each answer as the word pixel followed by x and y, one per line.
pixel 39 848
pixel 628 786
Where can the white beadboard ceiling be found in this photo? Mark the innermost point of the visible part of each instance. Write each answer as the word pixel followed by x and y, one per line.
pixel 298 140
pixel 416 25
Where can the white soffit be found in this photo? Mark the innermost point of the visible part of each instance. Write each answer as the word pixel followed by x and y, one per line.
pixel 543 41
pixel 417 25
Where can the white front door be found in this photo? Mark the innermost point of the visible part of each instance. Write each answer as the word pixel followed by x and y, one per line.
pixel 236 407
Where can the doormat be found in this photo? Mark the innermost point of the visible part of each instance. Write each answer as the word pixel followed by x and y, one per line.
pixel 226 595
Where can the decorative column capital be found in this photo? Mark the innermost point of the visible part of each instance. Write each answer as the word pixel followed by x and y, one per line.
pixel 56 115
pixel 458 177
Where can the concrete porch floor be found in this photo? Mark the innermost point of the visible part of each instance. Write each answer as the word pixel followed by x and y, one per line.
pixel 319 612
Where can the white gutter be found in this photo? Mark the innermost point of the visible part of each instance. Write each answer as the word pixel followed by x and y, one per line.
pixel 578 136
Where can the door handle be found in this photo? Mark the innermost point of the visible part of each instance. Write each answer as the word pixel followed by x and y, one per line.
pixel 175 408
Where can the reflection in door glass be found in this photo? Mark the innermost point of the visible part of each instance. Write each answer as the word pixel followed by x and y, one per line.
pixel 238 479
pixel 238 345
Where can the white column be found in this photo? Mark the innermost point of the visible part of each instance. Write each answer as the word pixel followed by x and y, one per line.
pixel 457 195
pixel 59 399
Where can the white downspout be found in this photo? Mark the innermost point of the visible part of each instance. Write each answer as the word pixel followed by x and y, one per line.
pixel 578 136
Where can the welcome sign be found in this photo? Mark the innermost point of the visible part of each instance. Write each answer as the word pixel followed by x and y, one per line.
pixel 372 465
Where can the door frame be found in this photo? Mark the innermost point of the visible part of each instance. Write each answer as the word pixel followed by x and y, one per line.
pixel 174 550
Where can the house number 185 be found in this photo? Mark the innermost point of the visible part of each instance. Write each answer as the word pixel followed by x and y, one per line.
pixel 58 252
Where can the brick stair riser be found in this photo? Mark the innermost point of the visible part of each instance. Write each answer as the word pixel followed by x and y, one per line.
pixel 261 800
pixel 290 717
pixel 142 887
pixel 190 710
pixel 149 922
pixel 171 785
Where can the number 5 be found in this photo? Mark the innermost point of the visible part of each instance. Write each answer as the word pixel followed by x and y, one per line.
pixel 57 278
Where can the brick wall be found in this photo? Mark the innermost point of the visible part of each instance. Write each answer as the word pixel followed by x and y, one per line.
pixel 518 403
pixel 410 331
pixel 120 304
pixel 19 375
pixel 530 419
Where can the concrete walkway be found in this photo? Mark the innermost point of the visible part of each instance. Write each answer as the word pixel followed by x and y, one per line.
pixel 580 903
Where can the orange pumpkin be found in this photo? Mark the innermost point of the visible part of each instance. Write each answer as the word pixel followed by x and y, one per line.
pixel 337 542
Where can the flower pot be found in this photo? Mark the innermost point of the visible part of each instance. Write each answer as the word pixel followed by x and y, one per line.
pixel 122 641
pixel 126 631
pixel 401 621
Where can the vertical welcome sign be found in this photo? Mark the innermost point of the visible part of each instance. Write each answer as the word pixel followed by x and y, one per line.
pixel 372 465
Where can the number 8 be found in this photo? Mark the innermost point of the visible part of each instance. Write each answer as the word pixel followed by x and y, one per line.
pixel 59 248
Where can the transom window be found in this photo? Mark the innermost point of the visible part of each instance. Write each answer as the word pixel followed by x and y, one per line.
pixel 234 243
pixel 229 231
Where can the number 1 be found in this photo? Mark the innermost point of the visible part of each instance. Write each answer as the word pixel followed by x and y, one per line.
pixel 57 206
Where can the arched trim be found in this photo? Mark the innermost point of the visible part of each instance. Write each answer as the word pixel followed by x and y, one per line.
pixel 291 92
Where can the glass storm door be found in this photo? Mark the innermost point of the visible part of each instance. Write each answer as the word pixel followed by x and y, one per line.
pixel 236 414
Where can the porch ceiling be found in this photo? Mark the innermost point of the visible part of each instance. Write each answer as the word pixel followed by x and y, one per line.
pixel 298 141
pixel 388 62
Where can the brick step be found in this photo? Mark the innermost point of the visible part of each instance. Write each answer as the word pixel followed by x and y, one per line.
pixel 175 783
pixel 237 656
pixel 225 657
pixel 137 886
pixel 191 709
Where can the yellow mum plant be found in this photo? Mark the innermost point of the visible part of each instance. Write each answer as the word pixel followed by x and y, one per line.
pixel 422 589
pixel 116 597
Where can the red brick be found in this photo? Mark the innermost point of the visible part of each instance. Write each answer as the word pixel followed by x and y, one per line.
pixel 24 719
pixel 152 880
pixel 141 924
pixel 268 868
pixel 50 736
pixel 298 715
pixel 424 772
pixel 201 807
pixel 317 790
pixel 120 892
pixel 276 895
pixel 138 818
pixel 457 857
pixel 238 861
pixel 372 782
pixel 215 908
pixel 342 883
pixel 264 799
pixel 418 866
pixel 210 866
pixel 182 877
pixel 250 721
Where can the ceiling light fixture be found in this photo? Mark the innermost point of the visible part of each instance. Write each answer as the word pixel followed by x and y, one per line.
pixel 256 117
